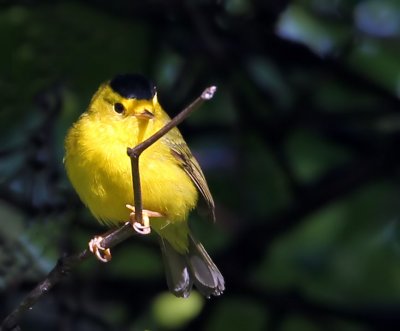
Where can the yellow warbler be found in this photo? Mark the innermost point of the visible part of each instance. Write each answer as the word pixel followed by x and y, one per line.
pixel 124 112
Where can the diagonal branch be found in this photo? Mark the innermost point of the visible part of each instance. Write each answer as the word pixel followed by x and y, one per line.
pixel 134 153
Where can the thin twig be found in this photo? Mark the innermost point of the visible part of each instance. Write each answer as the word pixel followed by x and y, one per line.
pixel 137 187
pixel 134 153
pixel 60 270
pixel 65 264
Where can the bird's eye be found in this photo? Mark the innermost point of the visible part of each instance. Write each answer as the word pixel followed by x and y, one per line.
pixel 119 107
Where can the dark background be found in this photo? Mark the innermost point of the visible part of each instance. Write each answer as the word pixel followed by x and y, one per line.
pixel 300 147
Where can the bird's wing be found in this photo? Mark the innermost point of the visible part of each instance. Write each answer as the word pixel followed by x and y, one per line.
pixel 189 164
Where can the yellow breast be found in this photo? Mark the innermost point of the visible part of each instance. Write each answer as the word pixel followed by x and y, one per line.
pixel 100 170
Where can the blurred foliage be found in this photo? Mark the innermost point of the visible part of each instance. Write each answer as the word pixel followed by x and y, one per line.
pixel 300 148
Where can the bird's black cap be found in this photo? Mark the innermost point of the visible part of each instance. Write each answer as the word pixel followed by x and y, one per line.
pixel 133 86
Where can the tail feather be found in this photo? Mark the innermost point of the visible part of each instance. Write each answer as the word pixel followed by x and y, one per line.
pixel 176 270
pixel 206 276
pixel 194 267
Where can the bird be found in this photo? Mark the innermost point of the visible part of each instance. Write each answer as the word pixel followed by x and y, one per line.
pixel 124 112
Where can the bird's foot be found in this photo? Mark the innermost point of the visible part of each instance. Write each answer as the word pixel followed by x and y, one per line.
pixel 144 226
pixel 102 254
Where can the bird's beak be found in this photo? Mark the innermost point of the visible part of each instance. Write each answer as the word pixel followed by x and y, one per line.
pixel 145 115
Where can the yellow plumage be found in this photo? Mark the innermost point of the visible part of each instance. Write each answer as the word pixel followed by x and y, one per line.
pixel 123 113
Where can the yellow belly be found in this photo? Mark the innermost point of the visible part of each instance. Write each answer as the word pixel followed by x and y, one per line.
pixel 106 187
pixel 100 171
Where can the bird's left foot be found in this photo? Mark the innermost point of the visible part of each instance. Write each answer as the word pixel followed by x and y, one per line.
pixel 144 227
pixel 102 254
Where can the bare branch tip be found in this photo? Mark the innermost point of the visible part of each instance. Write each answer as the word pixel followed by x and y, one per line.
pixel 209 93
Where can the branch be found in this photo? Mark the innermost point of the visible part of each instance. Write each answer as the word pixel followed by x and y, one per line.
pixel 111 239
pixel 135 152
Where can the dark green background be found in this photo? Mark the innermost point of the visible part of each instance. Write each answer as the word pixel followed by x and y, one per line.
pixel 300 147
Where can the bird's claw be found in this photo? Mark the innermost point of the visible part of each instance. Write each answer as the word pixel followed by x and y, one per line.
pixel 102 254
pixel 144 226
pixel 140 228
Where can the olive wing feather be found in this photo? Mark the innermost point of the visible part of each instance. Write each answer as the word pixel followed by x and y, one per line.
pixel 189 164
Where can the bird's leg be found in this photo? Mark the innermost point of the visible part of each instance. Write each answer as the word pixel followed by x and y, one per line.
pixel 102 254
pixel 144 227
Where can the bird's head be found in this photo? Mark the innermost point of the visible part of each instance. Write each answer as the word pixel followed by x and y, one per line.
pixel 125 96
